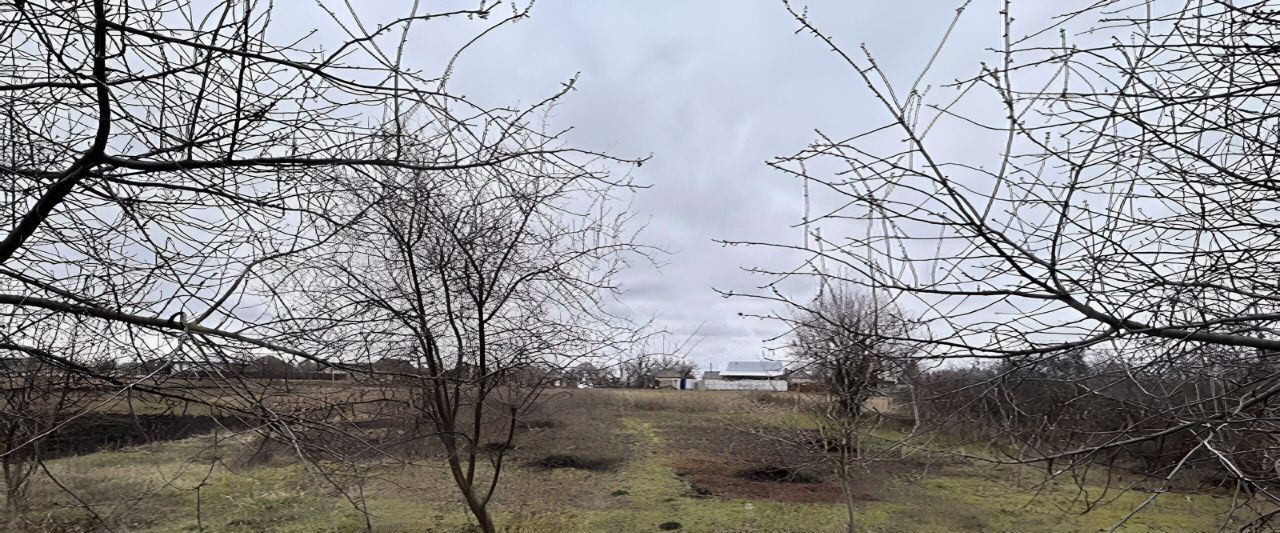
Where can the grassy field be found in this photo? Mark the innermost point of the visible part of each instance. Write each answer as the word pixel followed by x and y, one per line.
pixel 594 460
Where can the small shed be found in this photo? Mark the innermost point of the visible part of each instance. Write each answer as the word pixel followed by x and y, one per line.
pixel 674 379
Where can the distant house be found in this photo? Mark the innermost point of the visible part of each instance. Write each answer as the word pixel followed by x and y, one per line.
pixel 463 371
pixel 748 375
pixel 149 367
pixel 674 379
pixel 880 404
pixel 309 369
pixel 394 365
pixel 805 379
pixel 535 375
pixel 560 378
pixel 269 366
pixel 754 370
pixel 889 398
pixel 210 367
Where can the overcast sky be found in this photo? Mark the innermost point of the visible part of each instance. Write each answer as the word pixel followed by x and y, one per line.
pixel 712 89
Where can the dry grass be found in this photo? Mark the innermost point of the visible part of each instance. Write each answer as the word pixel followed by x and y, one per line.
pixel 591 460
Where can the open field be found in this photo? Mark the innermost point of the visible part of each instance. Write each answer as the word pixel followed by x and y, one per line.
pixel 593 460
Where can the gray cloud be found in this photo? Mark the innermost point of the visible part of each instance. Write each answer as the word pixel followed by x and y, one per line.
pixel 712 89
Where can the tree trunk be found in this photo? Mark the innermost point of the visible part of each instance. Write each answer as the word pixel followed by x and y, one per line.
pixel 478 508
pixel 848 500
pixel 846 456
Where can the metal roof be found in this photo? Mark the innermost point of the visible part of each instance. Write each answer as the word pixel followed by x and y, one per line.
pixel 754 368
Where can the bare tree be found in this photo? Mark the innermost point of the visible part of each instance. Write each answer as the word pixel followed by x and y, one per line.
pixel 45 400
pixel 163 163
pixel 852 342
pixel 661 351
pixel 162 156
pixel 680 365
pixel 486 281
pixel 1114 190
pixel 855 344
pixel 639 370
pixel 37 397
pixel 590 375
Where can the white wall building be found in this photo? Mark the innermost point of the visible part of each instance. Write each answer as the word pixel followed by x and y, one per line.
pixel 748 375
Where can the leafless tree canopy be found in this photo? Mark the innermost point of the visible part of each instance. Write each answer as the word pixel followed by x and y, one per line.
pixel 853 343
pixel 487 283
pixel 1104 181
pixel 856 346
pixel 196 190
pixel 160 157
pixel 1077 242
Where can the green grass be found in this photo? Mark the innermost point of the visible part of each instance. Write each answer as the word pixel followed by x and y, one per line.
pixel 971 499
pixel 152 489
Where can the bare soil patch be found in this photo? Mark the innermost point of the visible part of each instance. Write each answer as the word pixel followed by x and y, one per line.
pixel 777 474
pixel 711 477
pixel 578 462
